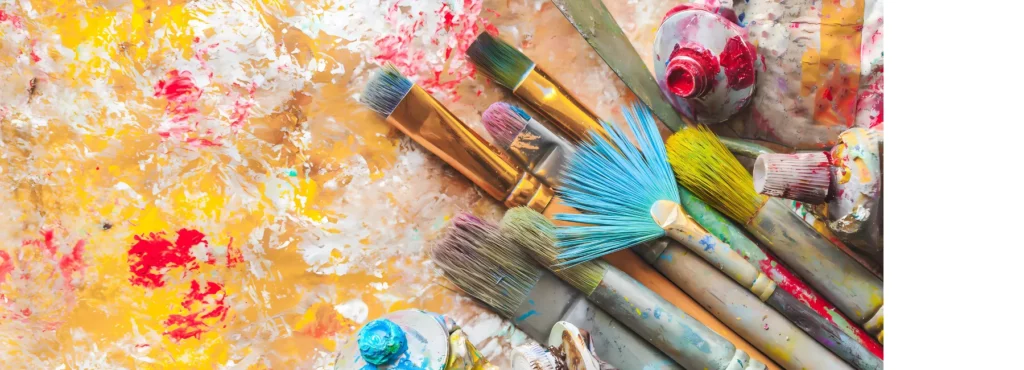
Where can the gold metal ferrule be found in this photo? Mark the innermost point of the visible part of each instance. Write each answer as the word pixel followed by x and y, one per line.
pixel 430 124
pixel 560 107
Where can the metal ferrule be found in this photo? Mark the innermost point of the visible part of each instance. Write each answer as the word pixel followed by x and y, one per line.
pixel 664 325
pixel 681 227
pixel 552 300
pixel 430 124
pixel 843 281
pixel 765 328
pixel 560 107
pixel 542 152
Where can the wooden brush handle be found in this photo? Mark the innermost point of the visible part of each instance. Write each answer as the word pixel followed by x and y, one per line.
pixel 679 226
pixel 631 264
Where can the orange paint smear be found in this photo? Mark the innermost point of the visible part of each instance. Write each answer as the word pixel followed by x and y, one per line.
pixel 833 72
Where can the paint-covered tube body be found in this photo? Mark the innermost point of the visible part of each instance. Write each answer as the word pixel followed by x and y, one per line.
pixel 843 281
pixel 680 336
pixel 552 300
pixel 721 227
pixel 758 323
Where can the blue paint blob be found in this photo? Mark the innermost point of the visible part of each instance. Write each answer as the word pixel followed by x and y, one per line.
pixel 381 341
pixel 708 243
pixel 526 315
pixel 657 312
pixel 519 111
pixel 740 18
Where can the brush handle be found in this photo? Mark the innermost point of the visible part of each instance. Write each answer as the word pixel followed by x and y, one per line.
pixel 552 300
pixel 541 152
pixel 847 284
pixel 681 227
pixel 561 108
pixel 727 231
pixel 771 332
pixel 824 332
pixel 680 336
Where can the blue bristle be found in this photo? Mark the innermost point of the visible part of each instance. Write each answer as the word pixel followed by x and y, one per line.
pixel 385 90
pixel 522 113
pixel 614 184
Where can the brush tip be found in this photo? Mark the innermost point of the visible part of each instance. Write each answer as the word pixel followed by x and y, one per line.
pixel 499 60
pixel 706 167
pixel 385 90
pixel 803 177
pixel 504 121
pixel 533 357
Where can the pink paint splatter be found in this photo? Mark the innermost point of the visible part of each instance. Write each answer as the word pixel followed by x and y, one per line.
pixel 871 98
pixel 69 264
pixel 456 31
pixel 204 308
pixel 13 19
pixel 151 258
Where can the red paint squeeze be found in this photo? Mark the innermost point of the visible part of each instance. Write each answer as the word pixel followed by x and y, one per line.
pixel 150 258
pixel 738 62
pixel 691 83
pixel 204 307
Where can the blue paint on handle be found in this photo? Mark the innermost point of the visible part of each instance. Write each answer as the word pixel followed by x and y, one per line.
pixel 708 242
pixel 526 315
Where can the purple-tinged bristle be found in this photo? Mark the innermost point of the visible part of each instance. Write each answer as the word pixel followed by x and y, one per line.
pixel 504 121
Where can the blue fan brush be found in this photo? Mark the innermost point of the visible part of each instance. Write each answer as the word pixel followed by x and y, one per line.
pixel 615 184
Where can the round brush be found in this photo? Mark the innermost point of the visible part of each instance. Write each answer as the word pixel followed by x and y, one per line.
pixel 628 196
pixel 703 165
pixel 530 143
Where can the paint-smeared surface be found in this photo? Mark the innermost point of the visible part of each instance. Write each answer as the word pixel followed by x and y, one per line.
pixel 124 122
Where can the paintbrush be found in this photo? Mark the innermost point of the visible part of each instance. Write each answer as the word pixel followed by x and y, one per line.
pixel 687 341
pixel 533 299
pixel 512 69
pixel 704 165
pixel 629 197
pixel 421 117
pixel 612 289
pixel 544 153
pixel 397 100
pixel 528 142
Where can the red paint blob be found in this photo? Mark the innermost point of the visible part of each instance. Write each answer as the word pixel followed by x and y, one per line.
pixel 181 93
pixel 150 258
pixel 7 17
pixel 691 70
pixel 204 306
pixel 738 62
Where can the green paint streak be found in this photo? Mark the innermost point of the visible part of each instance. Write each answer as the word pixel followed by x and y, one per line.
pixel 720 226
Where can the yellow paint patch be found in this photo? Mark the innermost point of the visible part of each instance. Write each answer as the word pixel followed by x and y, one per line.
pixel 832 72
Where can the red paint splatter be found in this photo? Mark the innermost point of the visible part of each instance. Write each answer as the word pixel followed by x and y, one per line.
pixel 871 98
pixel 182 94
pixel 738 62
pixel 6 265
pixel 204 307
pixel 69 264
pixel 150 258
pixel 456 31
pixel 791 284
pixel 827 94
pixel 7 17
pixel 240 113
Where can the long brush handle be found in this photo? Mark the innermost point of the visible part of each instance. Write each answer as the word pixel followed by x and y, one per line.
pixel 680 336
pixel 847 284
pixel 770 331
pixel 724 229
pixel 552 300
pixel 823 331
pixel 682 228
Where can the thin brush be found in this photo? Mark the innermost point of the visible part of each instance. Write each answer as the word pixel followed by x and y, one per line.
pixel 499 60
pixel 503 289
pixel 504 121
pixel 630 193
pixel 703 165
pixel 386 88
pixel 508 281
pixel 629 301
pixel 512 69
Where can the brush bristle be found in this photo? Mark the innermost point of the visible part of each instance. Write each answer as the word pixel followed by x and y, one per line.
pixel 533 357
pixel 470 257
pixel 614 184
pixel 499 60
pixel 504 121
pixel 704 166
pixel 536 235
pixel 385 90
